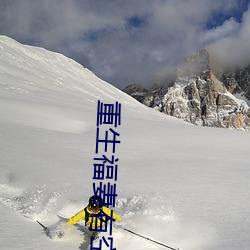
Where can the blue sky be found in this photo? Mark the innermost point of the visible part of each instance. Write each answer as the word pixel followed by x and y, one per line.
pixel 131 41
pixel 218 17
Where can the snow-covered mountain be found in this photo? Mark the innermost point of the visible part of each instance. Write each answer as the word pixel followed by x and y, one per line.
pixel 202 96
pixel 237 81
pixel 182 185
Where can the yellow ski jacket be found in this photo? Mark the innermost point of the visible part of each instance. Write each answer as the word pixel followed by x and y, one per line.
pixel 85 214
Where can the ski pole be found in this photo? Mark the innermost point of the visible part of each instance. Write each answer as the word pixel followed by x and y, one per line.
pixel 159 243
pixel 45 228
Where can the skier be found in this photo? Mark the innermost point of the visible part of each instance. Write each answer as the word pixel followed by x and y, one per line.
pixel 92 212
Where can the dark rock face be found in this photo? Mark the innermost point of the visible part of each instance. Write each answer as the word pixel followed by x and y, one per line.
pixel 137 91
pixel 237 81
pixel 201 97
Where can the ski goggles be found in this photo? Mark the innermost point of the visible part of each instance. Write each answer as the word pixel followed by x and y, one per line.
pixel 94 208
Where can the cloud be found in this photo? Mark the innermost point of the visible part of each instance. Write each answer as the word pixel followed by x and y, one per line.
pixel 233 49
pixel 228 28
pixel 121 41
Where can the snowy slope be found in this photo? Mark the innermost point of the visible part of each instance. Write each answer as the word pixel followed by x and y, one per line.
pixel 182 185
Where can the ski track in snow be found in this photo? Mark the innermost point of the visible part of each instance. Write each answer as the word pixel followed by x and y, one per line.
pixel 144 214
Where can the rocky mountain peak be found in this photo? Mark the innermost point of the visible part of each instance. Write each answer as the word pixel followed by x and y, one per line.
pixel 197 64
pixel 200 96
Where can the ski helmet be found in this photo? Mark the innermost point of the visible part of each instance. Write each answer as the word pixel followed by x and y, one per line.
pixel 95 202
